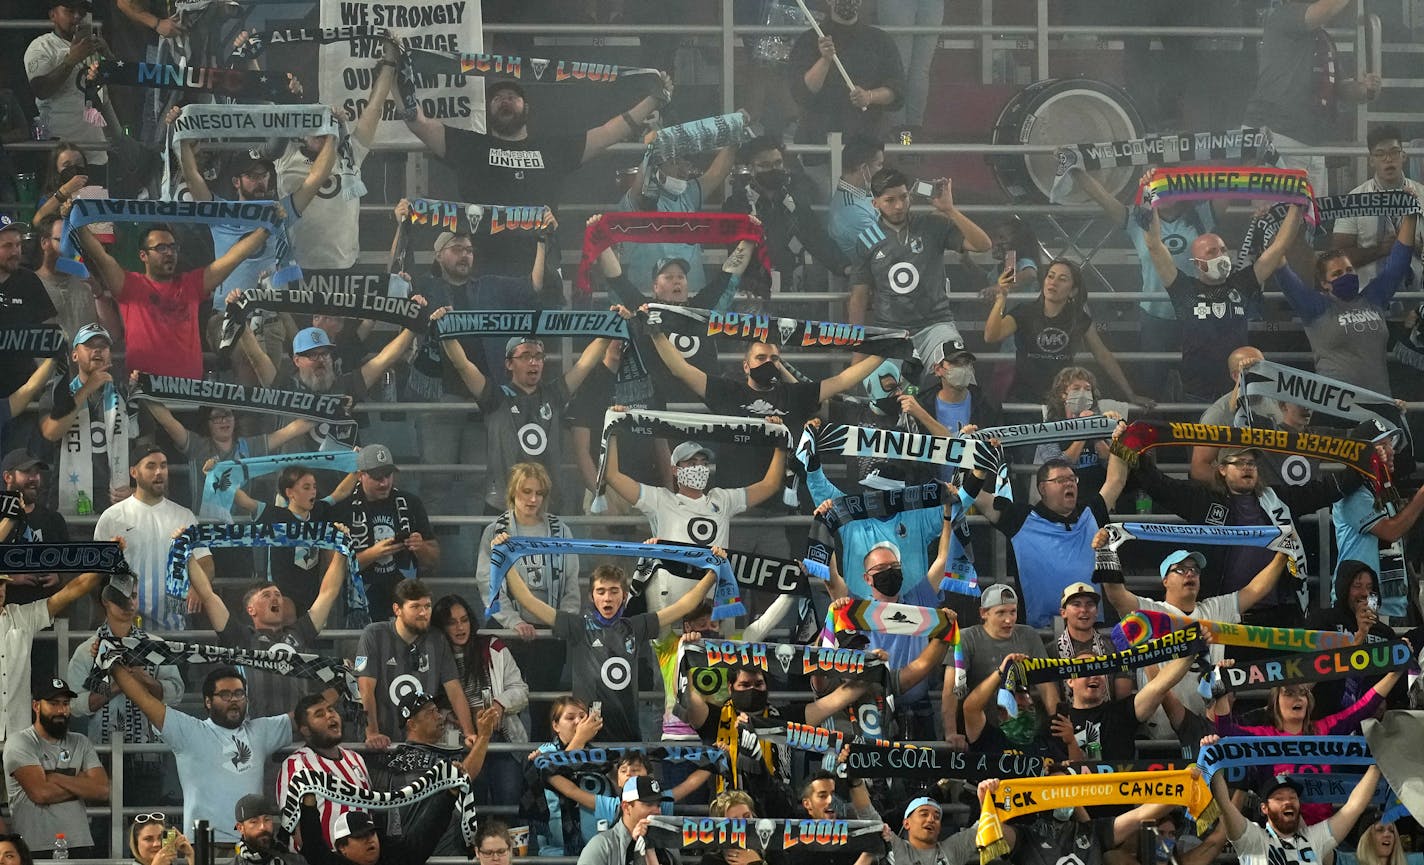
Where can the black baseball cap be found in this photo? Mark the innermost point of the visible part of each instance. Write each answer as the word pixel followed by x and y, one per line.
pixel 53 689
pixel 493 87
pixel 21 460
pixel 1276 782
pixel 413 702
pixel 141 449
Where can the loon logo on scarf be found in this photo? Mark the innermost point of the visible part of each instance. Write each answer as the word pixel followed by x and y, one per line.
pixel 748 327
pixel 835 837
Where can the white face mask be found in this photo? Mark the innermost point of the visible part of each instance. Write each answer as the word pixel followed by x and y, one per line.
pixel 1063 815
pixel 1077 401
pixel 1218 268
pixel 674 185
pixel 959 376
pixel 694 477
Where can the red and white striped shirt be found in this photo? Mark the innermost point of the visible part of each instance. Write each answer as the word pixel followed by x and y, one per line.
pixel 351 767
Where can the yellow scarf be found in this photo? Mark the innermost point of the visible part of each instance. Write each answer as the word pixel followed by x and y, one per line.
pixel 729 737
pixel 1017 797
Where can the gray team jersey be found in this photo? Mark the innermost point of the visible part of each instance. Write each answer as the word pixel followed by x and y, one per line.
pixel 905 270
pixel 400 668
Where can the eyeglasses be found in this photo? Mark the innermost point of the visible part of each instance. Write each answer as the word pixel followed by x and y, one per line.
pixel 165 248
pixel 1069 480
pixel 1242 464
pixel 231 696
pixel 494 854
pixel 1184 569
pixel 1392 153
pixel 152 817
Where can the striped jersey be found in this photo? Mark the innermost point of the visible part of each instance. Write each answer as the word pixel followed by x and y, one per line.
pixel 350 767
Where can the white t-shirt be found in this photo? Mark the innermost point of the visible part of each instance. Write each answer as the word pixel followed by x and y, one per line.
pixel 1311 845
pixel 1370 230
pixel 148 532
pixel 674 517
pixel 218 766
pixel 18 625
pixel 1222 608
pixel 328 237
pixel 65 109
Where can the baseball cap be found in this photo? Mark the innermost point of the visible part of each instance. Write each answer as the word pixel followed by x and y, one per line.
pixel 446 238
pixel 951 349
pixel 374 457
pixel 72 4
pixel 1078 588
pixel 20 460
pixel 921 802
pixel 1276 782
pixel 1178 556
pixel 643 788
pixel 141 449
pixel 8 224
pixel 493 87
pixel 998 595
pixel 89 331
pixel 688 450
pixel 411 703
pixel 516 341
pixel 53 689
pixel 352 824
pixel 309 339
pixel 245 160
pixel 1226 455
pixel 255 805
pixel 665 263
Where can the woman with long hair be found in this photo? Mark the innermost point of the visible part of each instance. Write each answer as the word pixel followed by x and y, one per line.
pixel 573 727
pixel 490 679
pixel 66 172
pixel 149 845
pixel 1050 330
pixel 1380 845
pixel 1291 707
pixel 553 579
pixel 1074 393
pixel 14 851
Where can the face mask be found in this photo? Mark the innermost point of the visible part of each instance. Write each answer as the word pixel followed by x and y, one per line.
pixel 694 477
pixel 765 375
pixel 1219 268
pixel 1077 401
pixel 1063 815
pixel 1020 729
pixel 775 179
pixel 888 406
pixel 1346 286
pixel 846 9
pixel 751 701
pixel 674 185
pixel 959 376
pixel 889 581
pixel 1164 849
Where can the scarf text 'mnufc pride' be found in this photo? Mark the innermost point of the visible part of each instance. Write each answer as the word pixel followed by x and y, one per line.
pixel 195 388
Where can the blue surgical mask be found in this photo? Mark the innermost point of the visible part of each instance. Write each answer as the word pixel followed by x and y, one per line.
pixel 1346 286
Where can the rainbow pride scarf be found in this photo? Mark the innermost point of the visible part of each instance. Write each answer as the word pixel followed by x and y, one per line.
pixel 890 618
pixel 1140 626
pixel 1171 185
pixel 1244 751
pixel 1369 659
pixel 1184 788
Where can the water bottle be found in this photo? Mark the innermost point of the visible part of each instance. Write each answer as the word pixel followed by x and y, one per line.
pixel 61 847
pixel 1143 503
pixel 82 505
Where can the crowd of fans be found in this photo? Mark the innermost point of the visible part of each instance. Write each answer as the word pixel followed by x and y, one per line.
pixel 83 446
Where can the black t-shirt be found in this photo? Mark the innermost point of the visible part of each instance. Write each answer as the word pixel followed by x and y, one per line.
pixel 1045 841
pixel 350 383
pixel 528 172
pixel 1044 345
pixel 993 741
pixel 297 571
pixel 41 526
pixel 373 522
pixel 1213 319
pixel 794 403
pixel 1107 731
pixel 23 302
pixel 636 456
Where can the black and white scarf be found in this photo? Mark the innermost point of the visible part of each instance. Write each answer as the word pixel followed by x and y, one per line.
pixel 828 838
pixel 789 332
pixel 512 66
pixel 1321 394
pixel 119 715
pixel 723 429
pixel 257 43
pixel 872 442
pixel 174 390
pixel 104 557
pixel 362 532
pixel 349 293
pixel 1396 203
pixel 41 340
pixel 443 776
pixel 1247 145
pixel 246 84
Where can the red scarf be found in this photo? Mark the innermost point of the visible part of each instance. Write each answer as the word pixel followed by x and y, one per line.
pixel 712 228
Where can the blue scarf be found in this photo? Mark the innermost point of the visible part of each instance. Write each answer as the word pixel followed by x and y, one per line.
pixel 221 486
pixel 1270 537
pixel 1234 751
pixel 727 600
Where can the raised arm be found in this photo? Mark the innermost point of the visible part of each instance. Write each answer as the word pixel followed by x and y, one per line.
pixel 1230 814
pixel 1273 256
pixel 1110 578
pixel 1392 274
pixel 430 132
pixel 100 262
pixel 1344 819
pixel 165 418
pixel 1114 210
pixel 1114 481
pixel 771 482
pixel 327 593
pixel 673 613
pixel 370 117
pixel 1161 259
pixel 247 247
pixel 394 351
pixel 834 703
pixel 1000 325
pixel 623 485
pixel 616 129
pixel 527 599
pixel 849 377
pixel 1262 584
pixel 26 393
pixel 975 238
pixel 694 378
pixel 1108 361
pixel 1149 697
pixel 455 353
pixel 192 175
pixel 592 356
pixel 1318 14
pixel 75 589
pixel 200 580
pixel 152 707
pixel 320 170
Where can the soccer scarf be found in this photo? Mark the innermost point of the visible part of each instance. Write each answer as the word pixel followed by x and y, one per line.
pixel 727 598
pixel 313 533
pixel 249 84
pixel 875 443
pixel 141 650
pixel 1171 185
pixel 720 429
pixel 102 557
pixel 688 139
pixel 716 229
pixel 76 452
pixel 467 219
pixel 1280 538
pixel 1142 436
pixel 889 618
pixel 1247 145
pixel 1367 659
pixel 1335 789
pixel 787 332
pixel 257 44
pixel 603 759
pixel 517 68
pixel 841 839
pixel 246 214
pixel 1321 394
pixel 261 123
pixel 174 390
pixel 12 506
pixel 1140 626
pixel 348 293
pixel 1048 432
pixel 801 737
pixel 226 477
pixel 1182 787
pixel 531 322
pixel 118 716
pixel 1175 644
pixel 1396 204
pixel 41 340
pixel 775 762
pixel 444 775
pixel 960 575
pixel 824 537
pixel 782 663
pixel 1245 751
pixel 885 759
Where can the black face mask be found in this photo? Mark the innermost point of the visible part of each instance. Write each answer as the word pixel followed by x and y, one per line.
pixel 751 701
pixel 888 406
pixel 774 179
pixel 889 581
pixel 765 375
